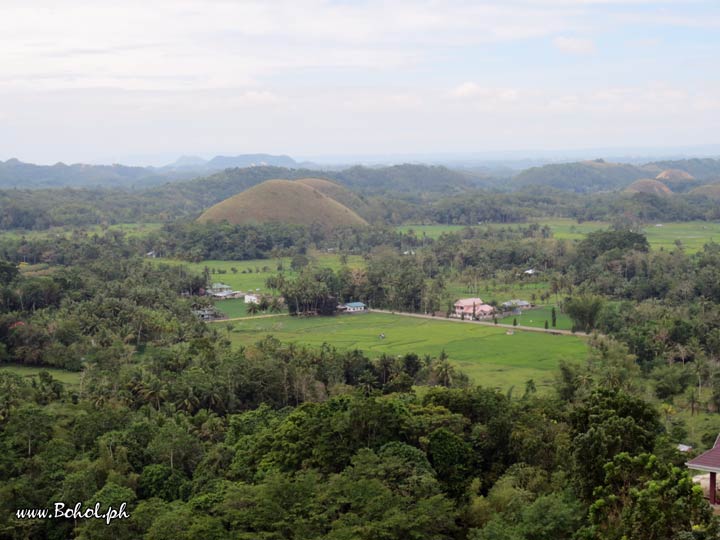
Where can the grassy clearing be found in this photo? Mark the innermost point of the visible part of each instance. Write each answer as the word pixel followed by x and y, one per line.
pixel 536 318
pixel 488 355
pixel 232 307
pixel 70 378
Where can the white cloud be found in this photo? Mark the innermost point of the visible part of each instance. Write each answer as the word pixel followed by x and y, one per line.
pixel 472 91
pixel 360 75
pixel 574 45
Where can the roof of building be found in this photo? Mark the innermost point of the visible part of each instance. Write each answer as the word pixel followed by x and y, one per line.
pixel 469 302
pixel 521 303
pixel 220 286
pixel 707 461
pixel 355 304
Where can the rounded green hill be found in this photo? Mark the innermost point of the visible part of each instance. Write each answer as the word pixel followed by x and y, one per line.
pixel 649 186
pixel 283 201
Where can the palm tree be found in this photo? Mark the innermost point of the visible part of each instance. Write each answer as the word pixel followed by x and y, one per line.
pixel 190 402
pixel 443 373
pixel 253 308
pixel 154 391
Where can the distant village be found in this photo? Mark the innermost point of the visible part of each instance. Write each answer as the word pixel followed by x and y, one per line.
pixel 465 308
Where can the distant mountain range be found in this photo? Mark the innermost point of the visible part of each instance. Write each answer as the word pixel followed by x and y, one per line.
pixel 412 179
pixel 219 163
pixel 17 174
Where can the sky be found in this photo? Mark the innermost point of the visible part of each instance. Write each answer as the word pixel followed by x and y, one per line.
pixel 146 81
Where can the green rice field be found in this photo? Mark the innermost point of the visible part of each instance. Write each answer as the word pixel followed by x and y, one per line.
pixel 488 355
pixel 536 318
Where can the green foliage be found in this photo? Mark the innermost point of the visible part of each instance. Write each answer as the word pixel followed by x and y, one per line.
pixel 643 498
pixel 606 424
pixel 584 312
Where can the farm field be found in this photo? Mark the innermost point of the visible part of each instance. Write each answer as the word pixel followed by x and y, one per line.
pixel 488 355
pixel 70 378
pixel 536 318
pixel 256 271
pixel 693 234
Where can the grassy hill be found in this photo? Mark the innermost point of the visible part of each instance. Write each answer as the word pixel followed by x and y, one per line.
pixel 582 177
pixel 283 201
pixel 650 186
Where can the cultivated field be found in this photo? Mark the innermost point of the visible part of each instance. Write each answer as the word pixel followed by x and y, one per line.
pixel 536 318
pixel 256 271
pixel 488 355
pixel 692 234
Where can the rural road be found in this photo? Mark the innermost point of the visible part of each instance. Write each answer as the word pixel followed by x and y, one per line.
pixel 553 331
pixel 248 317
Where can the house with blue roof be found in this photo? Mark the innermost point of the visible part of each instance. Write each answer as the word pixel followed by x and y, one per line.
pixel 354 307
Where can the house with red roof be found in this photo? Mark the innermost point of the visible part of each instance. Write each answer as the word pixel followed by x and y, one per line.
pixel 469 307
pixel 709 462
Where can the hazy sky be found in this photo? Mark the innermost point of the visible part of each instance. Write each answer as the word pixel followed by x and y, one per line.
pixel 96 80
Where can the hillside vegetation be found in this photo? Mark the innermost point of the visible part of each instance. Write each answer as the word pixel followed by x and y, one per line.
pixel 705 169
pixel 582 177
pixel 283 201
pixel 337 192
pixel 708 190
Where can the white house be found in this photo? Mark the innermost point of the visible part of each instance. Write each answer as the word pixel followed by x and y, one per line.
pixel 218 288
pixel 252 299
pixel 354 307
